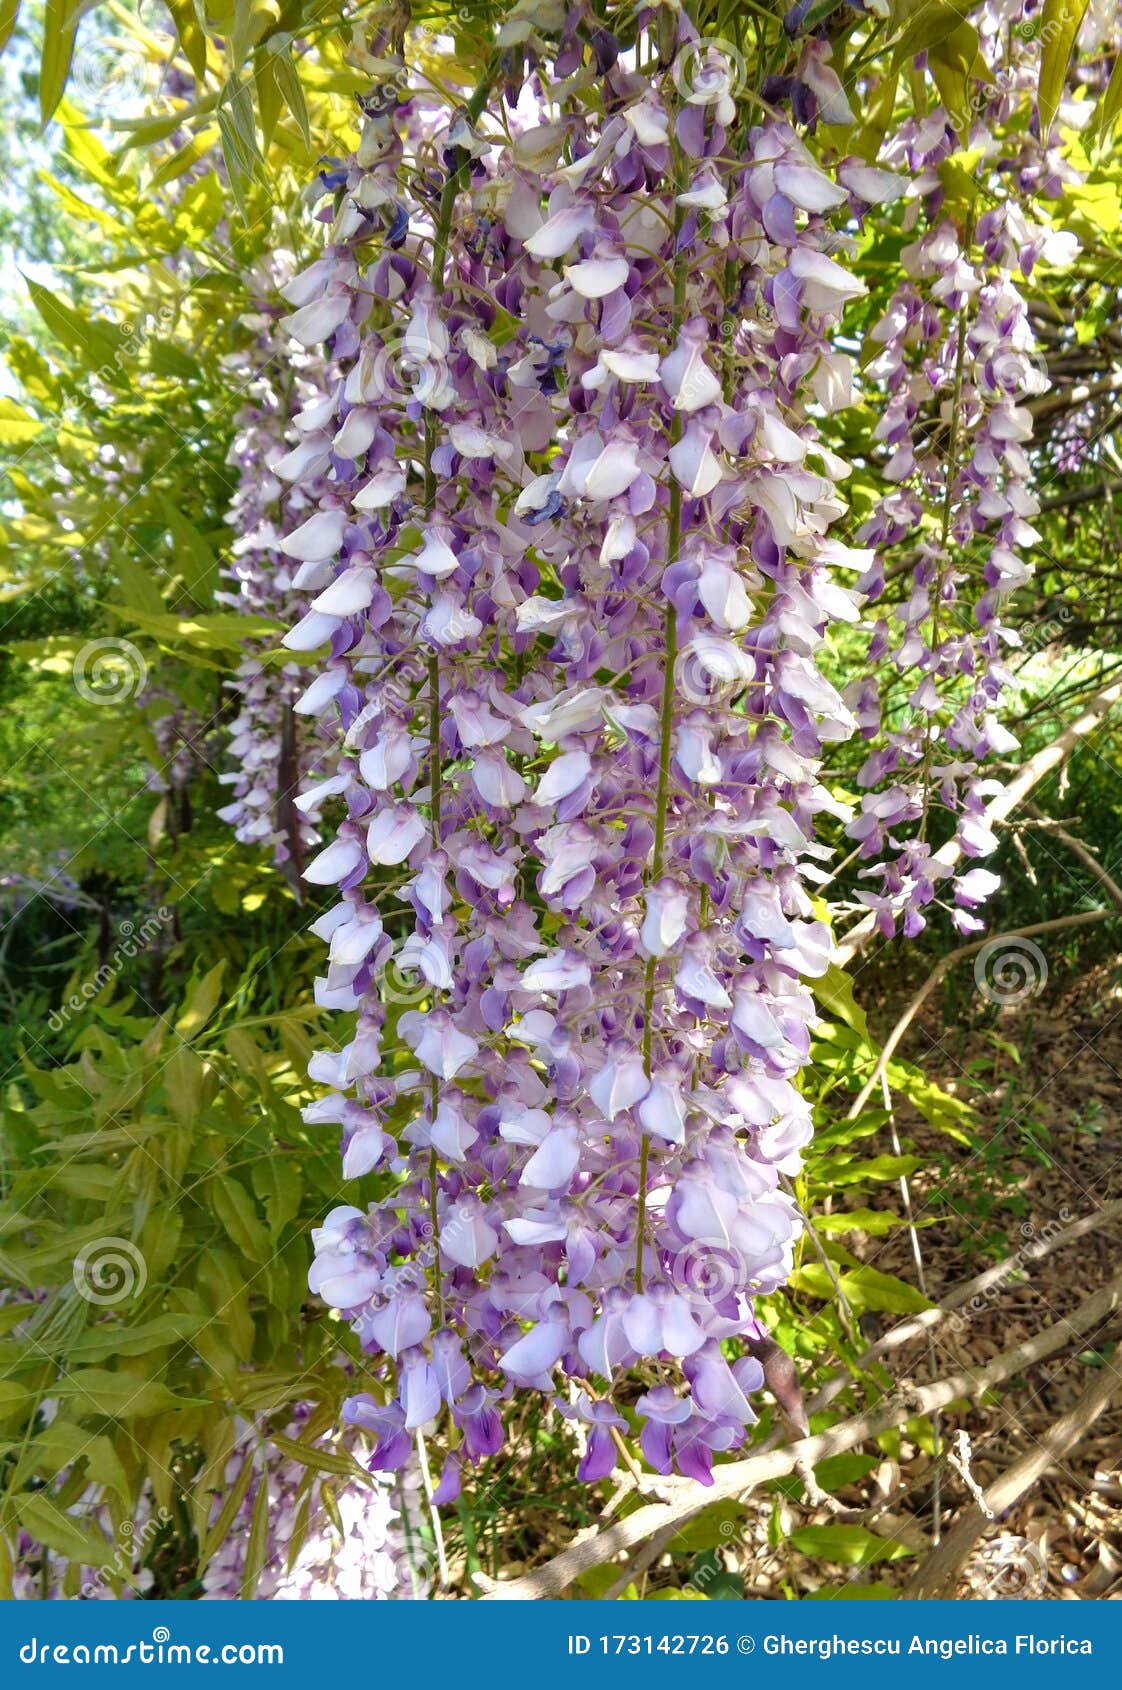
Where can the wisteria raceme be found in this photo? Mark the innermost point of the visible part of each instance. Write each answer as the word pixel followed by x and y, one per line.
pixel 956 356
pixel 362 1543
pixel 575 570
pixel 275 751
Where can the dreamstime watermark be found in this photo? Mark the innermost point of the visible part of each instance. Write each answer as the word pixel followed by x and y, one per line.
pixel 161 1651
pixel 109 1271
pixel 711 671
pixel 1008 970
pixel 134 335
pixel 109 671
pixel 1009 1569
pixel 709 73
pixel 134 1544
pixel 705 1274
pixel 1037 1243
pixel 110 72
pixel 131 941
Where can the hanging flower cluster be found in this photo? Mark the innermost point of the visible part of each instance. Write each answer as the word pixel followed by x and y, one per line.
pixel 275 753
pixel 325 1539
pixel 956 357
pixel 574 570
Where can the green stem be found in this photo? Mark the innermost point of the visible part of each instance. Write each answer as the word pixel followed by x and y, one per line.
pixel 437 276
pixel 948 511
pixel 665 752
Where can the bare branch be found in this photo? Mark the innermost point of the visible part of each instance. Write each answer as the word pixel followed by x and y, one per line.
pixel 688 1498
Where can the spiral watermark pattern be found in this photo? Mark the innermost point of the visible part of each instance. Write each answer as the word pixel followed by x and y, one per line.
pixel 109 671
pixel 109 1271
pixel 1009 970
pixel 704 1274
pixel 1010 1569
pixel 402 982
pixel 109 75
pixel 709 672
pixel 415 1572
pixel 402 371
pixel 707 72
pixel 1016 375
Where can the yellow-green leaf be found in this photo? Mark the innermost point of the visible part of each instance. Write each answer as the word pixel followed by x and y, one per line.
pixel 1059 27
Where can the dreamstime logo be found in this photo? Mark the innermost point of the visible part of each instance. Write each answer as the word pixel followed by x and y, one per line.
pixel 1016 374
pixel 131 941
pixel 1010 1569
pixel 133 336
pixel 109 1271
pixel 408 369
pixel 707 73
pixel 1009 970
pixel 707 1273
pixel 109 71
pixel 415 1571
pixel 710 671
pixel 402 982
pixel 1036 636
pixel 1037 1241
pixel 109 671
pixel 135 1542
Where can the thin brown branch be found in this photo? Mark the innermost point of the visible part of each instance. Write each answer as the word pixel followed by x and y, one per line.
pixel 1013 796
pixel 596 1548
pixel 940 1571
pixel 942 967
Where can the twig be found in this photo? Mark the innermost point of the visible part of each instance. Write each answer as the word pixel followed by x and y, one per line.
pixel 947 962
pixel 434 1511
pixel 1030 776
pixel 737 1477
pixel 1078 849
pixel 940 1571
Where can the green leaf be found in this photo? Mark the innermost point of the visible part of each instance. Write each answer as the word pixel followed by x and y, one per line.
pixel 117 1396
pixel 278 1185
pixel 202 1003
pixel 875 1222
pixel 232 1501
pixel 95 345
pixel 9 12
pixel 234 1208
pixel 60 24
pixel 63 1444
pixel 1058 29
pixel 930 26
pixel 101 1342
pixel 841 1171
pixel 257 1544
pixel 868 1288
pixel 191 29
pixel 291 91
pixel 1111 103
pixel 834 991
pixel 47 1523
pixel 17 426
pixel 849 1546
pixel 319 1460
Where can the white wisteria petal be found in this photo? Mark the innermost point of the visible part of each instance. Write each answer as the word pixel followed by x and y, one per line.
pixel 393 834
pixel 595 278
pixel 349 592
pixel 320 537
pixel 563 776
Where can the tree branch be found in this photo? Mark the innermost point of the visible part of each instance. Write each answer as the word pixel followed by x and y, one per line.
pixel 939 1572
pixel 1030 776
pixel 737 1477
